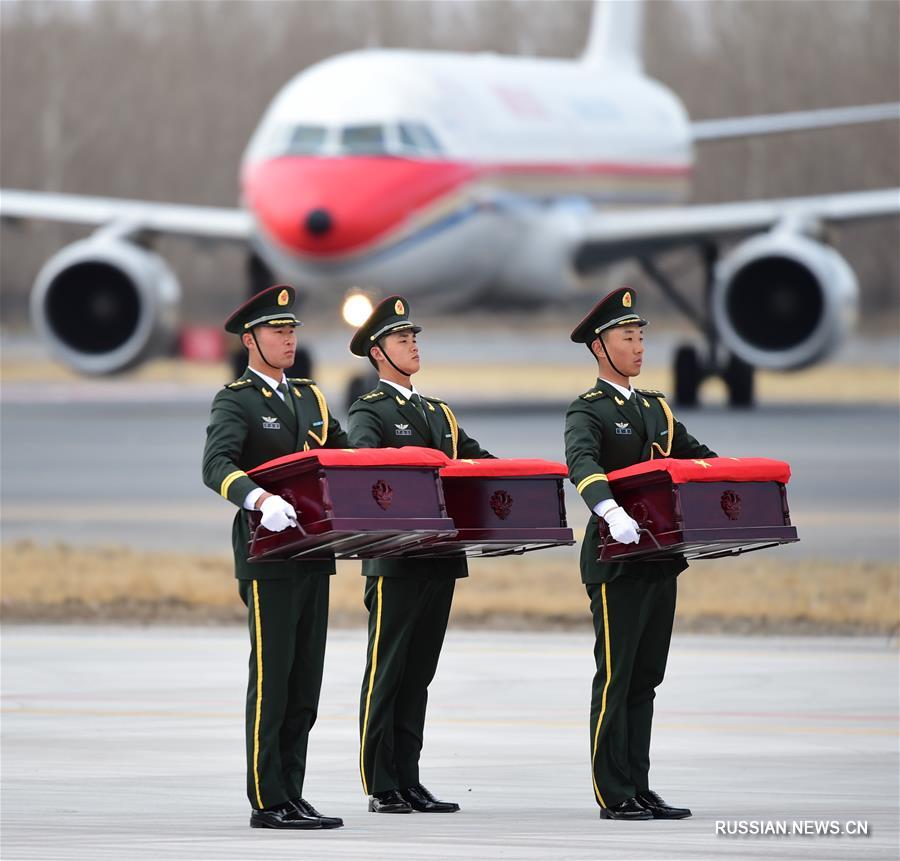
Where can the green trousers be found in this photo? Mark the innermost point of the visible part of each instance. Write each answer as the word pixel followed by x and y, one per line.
pixel 288 623
pixel 633 619
pixel 407 621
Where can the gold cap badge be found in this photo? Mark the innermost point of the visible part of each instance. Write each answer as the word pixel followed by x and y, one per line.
pixel 626 300
pixel 283 297
pixel 398 307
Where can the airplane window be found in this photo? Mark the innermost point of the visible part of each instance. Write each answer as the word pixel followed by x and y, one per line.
pixel 305 140
pixel 427 135
pixel 363 140
pixel 417 137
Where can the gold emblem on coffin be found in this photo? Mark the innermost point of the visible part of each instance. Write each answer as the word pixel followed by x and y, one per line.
pixel 501 504
pixel 383 494
pixel 731 504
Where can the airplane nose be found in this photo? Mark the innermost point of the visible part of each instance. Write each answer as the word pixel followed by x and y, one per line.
pixel 318 221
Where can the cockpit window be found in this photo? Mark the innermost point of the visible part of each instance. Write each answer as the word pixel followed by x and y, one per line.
pixel 363 140
pixel 306 140
pixel 417 138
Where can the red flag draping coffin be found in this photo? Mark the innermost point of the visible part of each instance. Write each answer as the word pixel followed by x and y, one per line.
pixel 703 508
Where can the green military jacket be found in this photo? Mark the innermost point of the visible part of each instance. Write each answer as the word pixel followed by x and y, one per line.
pixel 383 418
pixel 606 432
pixel 249 425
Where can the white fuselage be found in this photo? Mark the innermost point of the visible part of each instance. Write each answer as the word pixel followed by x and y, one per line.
pixel 438 171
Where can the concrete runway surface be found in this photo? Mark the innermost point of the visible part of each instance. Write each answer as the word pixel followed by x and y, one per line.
pixel 113 472
pixel 128 743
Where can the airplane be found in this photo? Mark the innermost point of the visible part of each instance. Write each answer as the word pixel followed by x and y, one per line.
pixel 451 176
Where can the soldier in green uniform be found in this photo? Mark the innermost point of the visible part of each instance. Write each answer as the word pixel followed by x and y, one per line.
pixel 408 599
pixel 260 416
pixel 609 427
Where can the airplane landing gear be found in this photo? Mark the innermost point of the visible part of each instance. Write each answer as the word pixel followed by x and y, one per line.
pixel 359 385
pixel 690 369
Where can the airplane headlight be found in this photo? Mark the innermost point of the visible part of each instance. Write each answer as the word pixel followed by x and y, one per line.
pixel 356 309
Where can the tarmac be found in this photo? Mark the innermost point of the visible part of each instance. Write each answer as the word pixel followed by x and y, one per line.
pixel 127 473
pixel 128 743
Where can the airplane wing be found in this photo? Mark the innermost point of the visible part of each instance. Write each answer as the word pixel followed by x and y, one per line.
pixel 794 121
pixel 127 217
pixel 610 236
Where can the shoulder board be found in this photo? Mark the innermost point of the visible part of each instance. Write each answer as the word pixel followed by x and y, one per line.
pixel 372 396
pixel 433 400
pixel 592 394
pixel 239 384
pixel 301 381
pixel 651 393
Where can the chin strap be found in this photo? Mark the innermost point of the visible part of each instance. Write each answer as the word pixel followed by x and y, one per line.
pixel 390 360
pixel 259 349
pixel 608 359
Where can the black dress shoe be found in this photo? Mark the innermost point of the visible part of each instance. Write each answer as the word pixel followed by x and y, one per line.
pixel 659 808
pixel 389 801
pixel 419 798
pixel 284 816
pixel 325 821
pixel 631 810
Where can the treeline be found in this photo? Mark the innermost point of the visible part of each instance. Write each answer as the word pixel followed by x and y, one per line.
pixel 156 100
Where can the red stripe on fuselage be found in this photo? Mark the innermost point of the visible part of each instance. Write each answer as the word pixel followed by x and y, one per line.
pixel 366 197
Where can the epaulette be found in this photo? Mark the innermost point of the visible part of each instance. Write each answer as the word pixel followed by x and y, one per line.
pixel 372 396
pixel 591 394
pixel 301 381
pixel 433 400
pixel 651 393
pixel 239 384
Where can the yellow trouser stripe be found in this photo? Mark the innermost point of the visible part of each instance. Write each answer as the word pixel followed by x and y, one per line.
pixel 259 689
pixel 670 425
pixel 603 699
pixel 597 476
pixel 229 480
pixel 362 744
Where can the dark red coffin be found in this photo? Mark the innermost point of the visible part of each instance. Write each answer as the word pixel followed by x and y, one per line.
pixel 701 509
pixel 502 506
pixel 353 504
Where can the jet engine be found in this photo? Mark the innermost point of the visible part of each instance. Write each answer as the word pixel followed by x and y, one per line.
pixel 783 301
pixel 104 305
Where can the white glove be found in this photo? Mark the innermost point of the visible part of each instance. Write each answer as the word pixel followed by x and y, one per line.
pixel 622 528
pixel 277 514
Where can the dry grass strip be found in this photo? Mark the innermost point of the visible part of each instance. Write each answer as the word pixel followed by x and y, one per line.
pixel 536 591
pixel 830 382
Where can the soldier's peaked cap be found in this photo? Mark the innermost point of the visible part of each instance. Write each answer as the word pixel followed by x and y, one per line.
pixel 618 308
pixel 388 316
pixel 270 307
